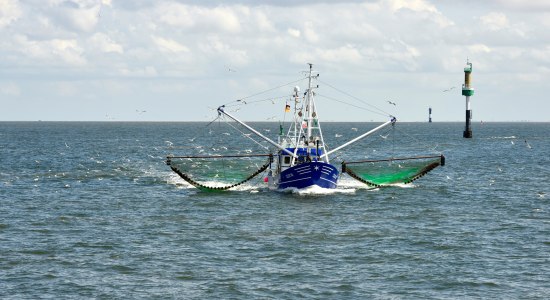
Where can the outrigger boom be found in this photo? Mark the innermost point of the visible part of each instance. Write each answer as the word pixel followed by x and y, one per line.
pixel 392 121
pixel 221 111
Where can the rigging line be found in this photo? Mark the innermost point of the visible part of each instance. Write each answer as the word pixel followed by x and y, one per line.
pixel 271 89
pixel 356 106
pixel 419 142
pixel 266 148
pixel 364 144
pixel 256 101
pixel 212 121
pixel 362 101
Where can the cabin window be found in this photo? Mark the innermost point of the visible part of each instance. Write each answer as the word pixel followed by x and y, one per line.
pixel 286 160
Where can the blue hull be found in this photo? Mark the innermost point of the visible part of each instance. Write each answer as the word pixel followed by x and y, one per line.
pixel 309 174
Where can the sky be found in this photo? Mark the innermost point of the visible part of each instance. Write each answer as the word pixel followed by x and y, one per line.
pixel 177 60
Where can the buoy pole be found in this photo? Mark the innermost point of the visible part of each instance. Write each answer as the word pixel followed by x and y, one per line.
pixel 468 91
pixel 430 115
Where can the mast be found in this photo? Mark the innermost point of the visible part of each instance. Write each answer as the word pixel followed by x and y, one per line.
pixel 309 104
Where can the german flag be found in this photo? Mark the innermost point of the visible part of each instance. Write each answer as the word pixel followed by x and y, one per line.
pixel 287 108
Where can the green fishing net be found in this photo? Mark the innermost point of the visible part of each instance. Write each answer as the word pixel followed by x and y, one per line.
pixel 214 173
pixel 391 171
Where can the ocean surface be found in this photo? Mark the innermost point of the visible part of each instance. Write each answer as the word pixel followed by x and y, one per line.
pixel 90 210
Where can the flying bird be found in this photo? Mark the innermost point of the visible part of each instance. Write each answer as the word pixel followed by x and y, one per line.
pixel 392 103
pixel 449 89
pixel 230 69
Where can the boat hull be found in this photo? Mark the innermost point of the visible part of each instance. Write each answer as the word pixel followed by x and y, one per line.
pixel 309 174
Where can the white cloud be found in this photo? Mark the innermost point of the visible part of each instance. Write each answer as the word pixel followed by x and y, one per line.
pixel 262 22
pixel 51 51
pixel 294 32
pixel 479 48
pixel 220 18
pixel 175 39
pixel 495 21
pixel 9 12
pixel 215 47
pixel 104 43
pixel 310 33
pixel 168 45
pixel 80 15
pixel 531 5
pixel 420 6
pixel 415 5
pixel 345 53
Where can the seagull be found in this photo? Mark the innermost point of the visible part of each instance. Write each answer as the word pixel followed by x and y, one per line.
pixel 229 69
pixel 354 129
pixel 240 100
pixel 337 135
pixel 67 145
pixel 193 139
pixel 392 103
pixel 449 89
pixel 271 118
pixel 272 101
pixel 384 136
pixel 226 133
pixel 528 146
pixel 236 110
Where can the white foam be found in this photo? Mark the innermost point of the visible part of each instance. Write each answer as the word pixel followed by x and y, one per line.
pixel 316 190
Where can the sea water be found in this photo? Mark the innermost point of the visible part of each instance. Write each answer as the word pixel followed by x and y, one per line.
pixel 90 210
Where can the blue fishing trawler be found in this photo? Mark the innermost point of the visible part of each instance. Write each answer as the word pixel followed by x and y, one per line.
pixel 300 158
